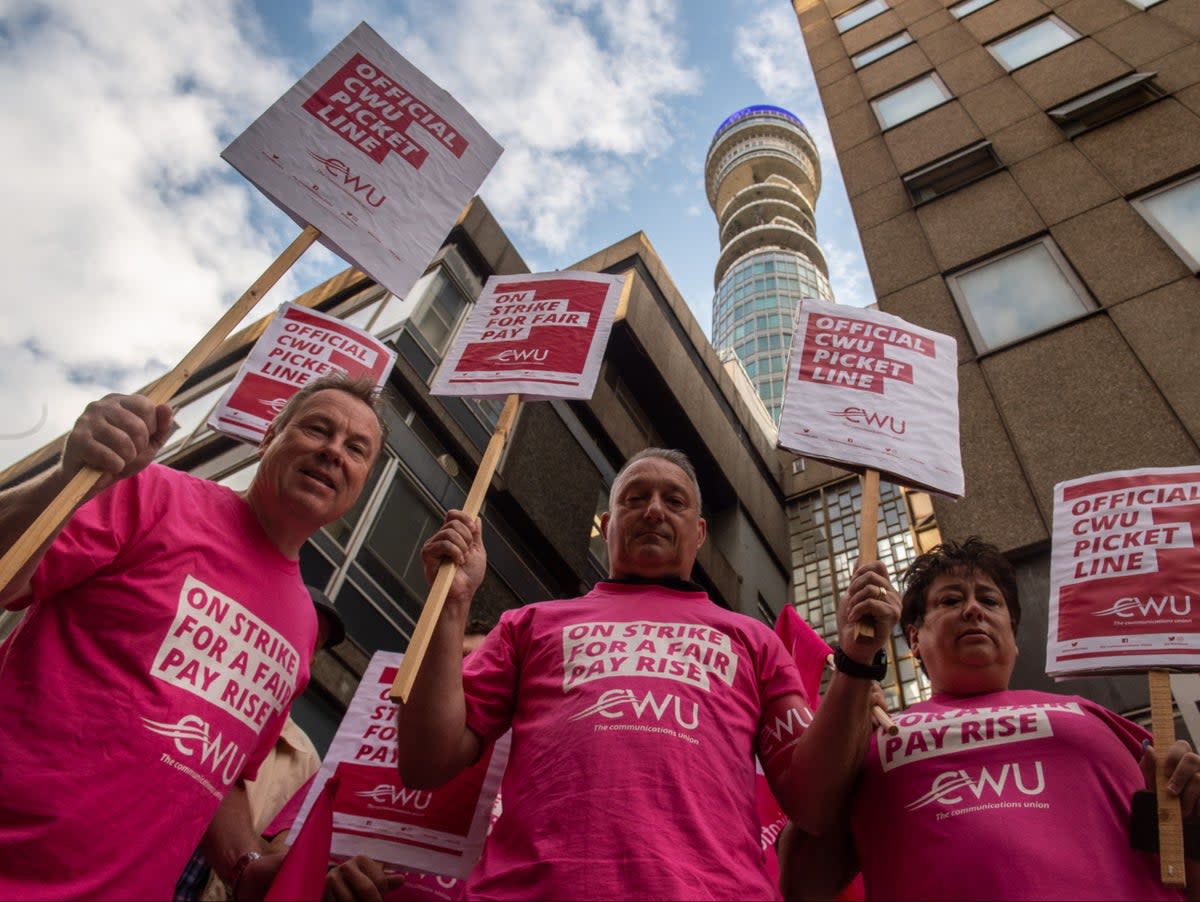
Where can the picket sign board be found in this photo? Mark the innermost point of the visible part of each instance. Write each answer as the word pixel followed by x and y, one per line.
pixel 866 389
pixel 540 336
pixel 1125 573
pixel 297 346
pixel 373 154
pixel 438 831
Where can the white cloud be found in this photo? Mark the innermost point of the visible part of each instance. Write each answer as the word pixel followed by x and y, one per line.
pixel 847 273
pixel 126 235
pixel 579 93
pixel 771 49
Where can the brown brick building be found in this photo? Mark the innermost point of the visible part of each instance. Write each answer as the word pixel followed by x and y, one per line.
pixel 1025 176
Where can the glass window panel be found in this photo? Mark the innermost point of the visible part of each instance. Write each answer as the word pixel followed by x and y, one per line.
pixel 1017 295
pixel 315 568
pixel 910 100
pixel 1174 213
pixel 438 314
pixel 882 49
pixel 1038 40
pixel 859 14
pixel 369 627
pixel 967 7
pixel 391 552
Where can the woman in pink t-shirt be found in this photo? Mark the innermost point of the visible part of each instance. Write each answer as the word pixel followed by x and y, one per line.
pixel 987 792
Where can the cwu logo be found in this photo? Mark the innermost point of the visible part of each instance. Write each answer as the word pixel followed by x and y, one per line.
pixel 953 787
pixel 194 738
pixel 614 703
pixel 336 169
pixel 521 355
pixel 859 416
pixel 1132 606
pixel 398 797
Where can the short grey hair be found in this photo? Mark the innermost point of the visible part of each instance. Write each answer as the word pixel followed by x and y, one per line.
pixel 670 455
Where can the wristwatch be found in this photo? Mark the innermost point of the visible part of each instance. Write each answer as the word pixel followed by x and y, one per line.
pixel 876 670
pixel 239 868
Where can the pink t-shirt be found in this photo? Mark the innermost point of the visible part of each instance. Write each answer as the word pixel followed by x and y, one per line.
pixel 636 713
pixel 164 643
pixel 1009 795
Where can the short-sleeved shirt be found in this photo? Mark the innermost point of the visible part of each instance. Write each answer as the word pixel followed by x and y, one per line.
pixel 155 665
pixel 636 713
pixel 1008 795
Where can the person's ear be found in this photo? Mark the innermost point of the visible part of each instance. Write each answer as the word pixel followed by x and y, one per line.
pixel 604 525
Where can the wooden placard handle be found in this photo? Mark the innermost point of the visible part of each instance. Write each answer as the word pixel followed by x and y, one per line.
pixel 436 599
pixel 77 489
pixel 868 537
pixel 1170 818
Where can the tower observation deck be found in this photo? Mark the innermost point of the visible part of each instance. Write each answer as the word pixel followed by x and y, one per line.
pixel 762 176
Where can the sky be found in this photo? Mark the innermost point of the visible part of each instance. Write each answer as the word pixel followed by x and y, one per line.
pixel 127 235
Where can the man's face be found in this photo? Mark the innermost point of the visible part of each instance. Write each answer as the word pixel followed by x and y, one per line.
pixel 654 529
pixel 313 469
pixel 965 639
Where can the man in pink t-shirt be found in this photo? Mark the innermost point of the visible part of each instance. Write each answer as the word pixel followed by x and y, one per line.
pixel 636 712
pixel 166 632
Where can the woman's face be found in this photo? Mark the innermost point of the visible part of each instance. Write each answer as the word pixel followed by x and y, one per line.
pixel 965 639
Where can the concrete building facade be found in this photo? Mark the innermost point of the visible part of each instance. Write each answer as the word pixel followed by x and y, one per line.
pixel 1025 176
pixel 762 176
pixel 661 384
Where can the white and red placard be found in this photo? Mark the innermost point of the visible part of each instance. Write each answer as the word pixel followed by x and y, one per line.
pixel 1125 573
pixel 439 831
pixel 298 345
pixel 373 154
pixel 541 336
pixel 867 389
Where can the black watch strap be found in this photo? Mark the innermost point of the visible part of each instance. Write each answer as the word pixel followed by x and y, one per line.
pixel 876 670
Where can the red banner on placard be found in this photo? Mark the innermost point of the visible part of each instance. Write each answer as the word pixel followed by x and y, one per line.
pixel 538 335
pixel 298 345
pixel 1125 572
pixel 438 831
pixel 867 389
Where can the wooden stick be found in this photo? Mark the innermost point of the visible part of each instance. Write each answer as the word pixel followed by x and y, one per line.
pixel 436 599
pixel 1170 820
pixel 868 538
pixel 77 489
pixel 882 719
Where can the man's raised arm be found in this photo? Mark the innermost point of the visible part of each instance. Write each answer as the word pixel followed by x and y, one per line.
pixel 119 435
pixel 435 742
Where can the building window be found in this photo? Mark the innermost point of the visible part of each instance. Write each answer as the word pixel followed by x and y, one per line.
pixel 882 49
pixel 1033 42
pixel 951 173
pixel 959 10
pixel 438 310
pixel 824 526
pixel 1018 294
pixel 1174 212
pixel 859 14
pixel 1105 103
pixel 910 100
